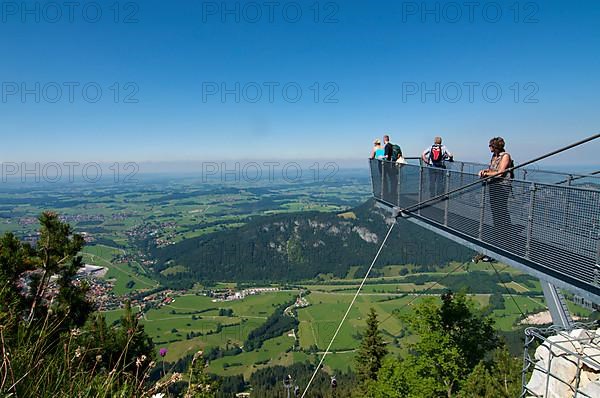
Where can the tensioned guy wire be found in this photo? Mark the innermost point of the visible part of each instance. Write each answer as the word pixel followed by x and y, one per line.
pixel 349 308
pixel 579 177
pixel 508 291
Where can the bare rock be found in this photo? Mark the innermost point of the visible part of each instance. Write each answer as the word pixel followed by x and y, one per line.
pixel 582 336
pixel 596 337
pixel 537 383
pixel 566 362
pixel 542 353
pixel 366 235
pixel 333 230
pixel 563 371
pixel 590 390
pixel 586 378
pixel 592 357
pixel 561 344
pixel 558 345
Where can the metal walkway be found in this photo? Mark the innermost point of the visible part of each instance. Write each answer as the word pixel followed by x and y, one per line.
pixel 544 223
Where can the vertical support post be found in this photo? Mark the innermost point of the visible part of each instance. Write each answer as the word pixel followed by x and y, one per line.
pixel 399 184
pixel 524 174
pixel 382 164
pixel 482 210
pixel 447 198
pixel 597 269
pixel 420 188
pixel 532 190
pixel 557 306
pixel 567 212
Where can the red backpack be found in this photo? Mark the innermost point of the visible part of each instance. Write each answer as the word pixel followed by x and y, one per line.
pixel 436 155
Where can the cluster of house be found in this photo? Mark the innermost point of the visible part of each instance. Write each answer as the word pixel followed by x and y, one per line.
pixel 230 294
pixel 163 233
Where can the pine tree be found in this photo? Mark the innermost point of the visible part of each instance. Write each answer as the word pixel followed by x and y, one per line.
pixel 57 255
pixel 371 352
pixel 15 259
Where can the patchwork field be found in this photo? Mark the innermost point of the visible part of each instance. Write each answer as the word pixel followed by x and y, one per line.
pixel 172 324
pixel 193 322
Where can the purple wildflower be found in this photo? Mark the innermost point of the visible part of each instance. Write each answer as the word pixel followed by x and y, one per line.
pixel 162 352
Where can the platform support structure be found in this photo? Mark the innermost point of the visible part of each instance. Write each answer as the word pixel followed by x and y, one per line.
pixel 557 305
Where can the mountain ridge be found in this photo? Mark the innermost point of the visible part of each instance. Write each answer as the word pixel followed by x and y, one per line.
pixel 297 246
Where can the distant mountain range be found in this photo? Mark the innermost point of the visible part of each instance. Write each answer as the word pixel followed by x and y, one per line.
pixel 291 247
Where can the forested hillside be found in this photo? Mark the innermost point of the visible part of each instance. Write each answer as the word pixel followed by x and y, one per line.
pixel 291 247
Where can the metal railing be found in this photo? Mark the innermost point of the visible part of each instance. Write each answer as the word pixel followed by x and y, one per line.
pixel 532 174
pixel 555 226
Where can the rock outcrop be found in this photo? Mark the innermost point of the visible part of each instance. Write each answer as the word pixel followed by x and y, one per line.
pixel 567 365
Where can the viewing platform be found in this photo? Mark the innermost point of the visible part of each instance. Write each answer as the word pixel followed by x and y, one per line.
pixel 545 223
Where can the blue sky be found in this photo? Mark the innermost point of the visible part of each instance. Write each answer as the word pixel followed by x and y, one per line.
pixel 367 61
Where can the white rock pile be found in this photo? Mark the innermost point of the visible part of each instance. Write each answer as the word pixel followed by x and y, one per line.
pixel 567 365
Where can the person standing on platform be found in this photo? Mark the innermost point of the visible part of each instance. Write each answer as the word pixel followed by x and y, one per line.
pixel 390 170
pixel 436 157
pixel 499 187
pixel 388 148
pixel 377 152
